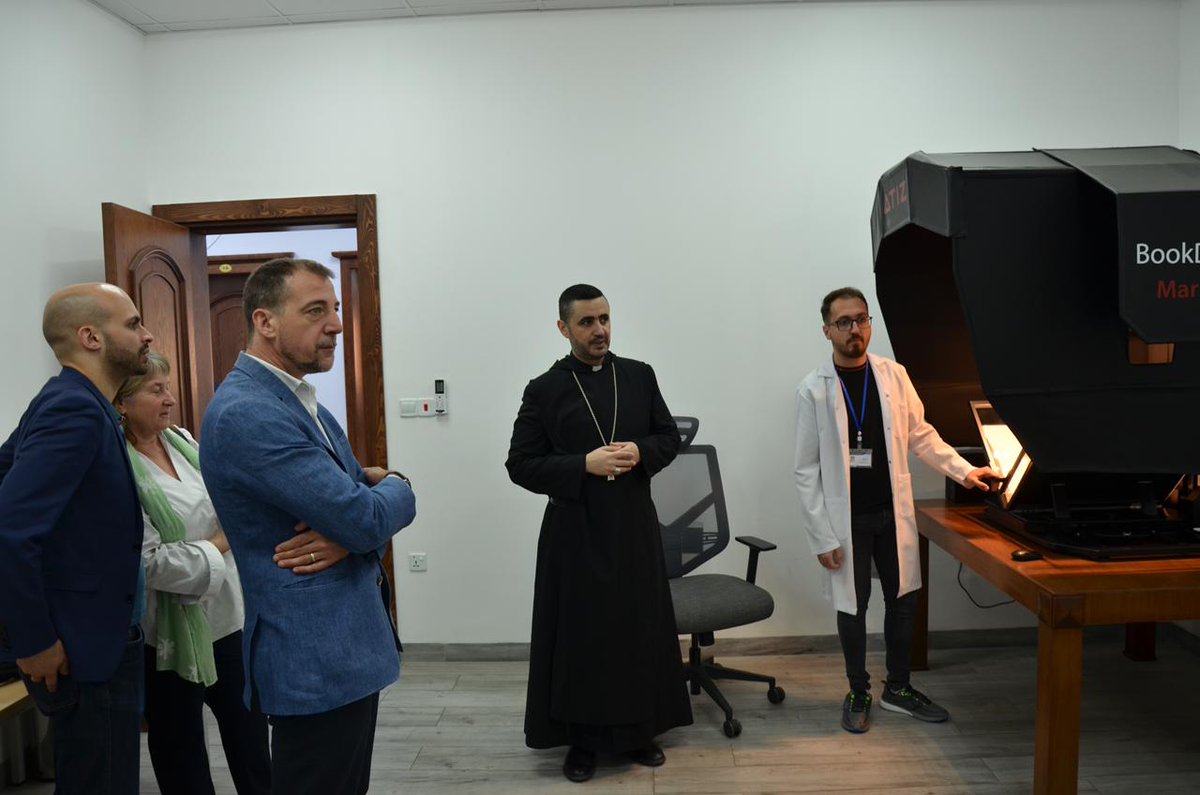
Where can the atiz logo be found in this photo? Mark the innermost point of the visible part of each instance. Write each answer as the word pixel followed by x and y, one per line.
pixel 895 196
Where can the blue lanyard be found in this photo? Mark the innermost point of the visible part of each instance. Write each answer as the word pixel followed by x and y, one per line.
pixel 858 418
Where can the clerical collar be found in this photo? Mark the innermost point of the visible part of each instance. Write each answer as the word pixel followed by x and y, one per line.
pixel 580 364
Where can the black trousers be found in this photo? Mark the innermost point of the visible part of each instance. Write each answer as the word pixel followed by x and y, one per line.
pixel 324 754
pixel 873 537
pixel 175 717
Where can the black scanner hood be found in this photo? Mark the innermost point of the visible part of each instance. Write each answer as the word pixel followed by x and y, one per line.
pixel 1028 278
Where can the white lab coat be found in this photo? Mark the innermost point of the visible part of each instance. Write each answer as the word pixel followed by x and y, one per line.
pixel 823 468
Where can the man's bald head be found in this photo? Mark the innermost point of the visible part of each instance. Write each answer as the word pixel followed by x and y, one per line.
pixel 74 307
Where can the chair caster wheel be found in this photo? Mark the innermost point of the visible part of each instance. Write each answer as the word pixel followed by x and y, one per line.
pixel 776 695
pixel 733 727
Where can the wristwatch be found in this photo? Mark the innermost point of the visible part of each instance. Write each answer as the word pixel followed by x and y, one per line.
pixel 401 476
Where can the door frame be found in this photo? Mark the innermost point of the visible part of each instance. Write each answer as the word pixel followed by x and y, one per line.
pixel 367 432
pixel 367 429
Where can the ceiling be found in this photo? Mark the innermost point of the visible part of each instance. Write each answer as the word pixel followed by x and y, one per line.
pixel 165 16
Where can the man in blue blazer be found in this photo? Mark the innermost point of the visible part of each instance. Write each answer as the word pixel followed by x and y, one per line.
pixel 71 593
pixel 308 527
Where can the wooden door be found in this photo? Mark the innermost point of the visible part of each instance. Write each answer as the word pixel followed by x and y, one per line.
pixel 162 267
pixel 227 320
pixel 227 277
pixel 353 337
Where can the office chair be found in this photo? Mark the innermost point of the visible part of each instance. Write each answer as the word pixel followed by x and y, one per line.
pixel 690 501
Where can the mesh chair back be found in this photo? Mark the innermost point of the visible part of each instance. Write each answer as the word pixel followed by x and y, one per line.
pixel 690 502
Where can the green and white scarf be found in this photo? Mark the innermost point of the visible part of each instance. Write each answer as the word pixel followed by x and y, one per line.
pixel 184 638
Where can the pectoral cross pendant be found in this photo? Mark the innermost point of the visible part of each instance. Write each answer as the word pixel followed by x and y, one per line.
pixel 613 435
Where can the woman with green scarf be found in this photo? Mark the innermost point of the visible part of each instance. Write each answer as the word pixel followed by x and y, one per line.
pixel 194 612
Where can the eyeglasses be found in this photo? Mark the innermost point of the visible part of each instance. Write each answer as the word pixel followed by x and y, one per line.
pixel 844 323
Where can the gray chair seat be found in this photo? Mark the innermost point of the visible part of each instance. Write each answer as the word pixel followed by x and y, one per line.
pixel 709 602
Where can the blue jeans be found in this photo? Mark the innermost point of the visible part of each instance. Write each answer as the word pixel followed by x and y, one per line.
pixel 96 728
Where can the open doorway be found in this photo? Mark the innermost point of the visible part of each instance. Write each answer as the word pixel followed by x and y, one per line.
pixel 161 260
pixel 232 257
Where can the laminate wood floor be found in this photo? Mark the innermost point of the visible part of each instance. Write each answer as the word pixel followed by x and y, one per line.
pixel 455 727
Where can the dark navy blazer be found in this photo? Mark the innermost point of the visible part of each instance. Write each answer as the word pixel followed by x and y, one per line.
pixel 314 642
pixel 70 530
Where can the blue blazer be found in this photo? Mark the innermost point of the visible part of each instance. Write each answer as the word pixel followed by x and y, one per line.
pixel 70 530
pixel 312 642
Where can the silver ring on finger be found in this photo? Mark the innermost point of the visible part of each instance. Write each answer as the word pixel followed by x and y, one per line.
pixel 312 557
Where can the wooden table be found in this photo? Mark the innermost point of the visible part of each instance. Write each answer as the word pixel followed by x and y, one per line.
pixel 1066 594
pixel 14 699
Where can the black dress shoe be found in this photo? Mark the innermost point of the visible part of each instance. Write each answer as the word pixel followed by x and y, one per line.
pixel 650 756
pixel 580 764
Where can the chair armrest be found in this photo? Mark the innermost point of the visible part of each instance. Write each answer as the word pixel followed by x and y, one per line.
pixel 756 545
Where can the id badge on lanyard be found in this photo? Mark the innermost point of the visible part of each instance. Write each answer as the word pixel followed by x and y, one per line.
pixel 860 457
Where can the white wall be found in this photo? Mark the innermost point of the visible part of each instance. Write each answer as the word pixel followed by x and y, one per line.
pixel 711 169
pixel 317 245
pixel 71 136
pixel 1189 74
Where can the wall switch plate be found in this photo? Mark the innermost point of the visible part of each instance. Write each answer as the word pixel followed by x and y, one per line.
pixel 417 407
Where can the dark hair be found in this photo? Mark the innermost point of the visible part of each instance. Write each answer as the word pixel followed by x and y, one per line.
pixel 841 292
pixel 576 292
pixel 267 287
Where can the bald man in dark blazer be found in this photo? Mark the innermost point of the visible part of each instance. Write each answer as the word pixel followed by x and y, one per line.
pixel 71 588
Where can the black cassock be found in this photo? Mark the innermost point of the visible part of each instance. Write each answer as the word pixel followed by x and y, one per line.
pixel 604 663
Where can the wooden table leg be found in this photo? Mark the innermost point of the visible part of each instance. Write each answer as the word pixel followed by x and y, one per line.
pixel 920 647
pixel 1140 641
pixel 1059 680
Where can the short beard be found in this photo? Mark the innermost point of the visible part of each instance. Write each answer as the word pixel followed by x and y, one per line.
pixel 584 355
pixel 125 364
pixel 845 349
pixel 309 366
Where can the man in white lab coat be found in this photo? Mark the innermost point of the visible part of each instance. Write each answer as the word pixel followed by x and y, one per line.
pixel 857 418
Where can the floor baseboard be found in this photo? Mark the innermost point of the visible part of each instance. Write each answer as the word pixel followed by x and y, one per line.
pixel 803 644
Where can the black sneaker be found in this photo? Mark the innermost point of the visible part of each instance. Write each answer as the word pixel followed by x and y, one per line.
pixel 910 701
pixel 856 712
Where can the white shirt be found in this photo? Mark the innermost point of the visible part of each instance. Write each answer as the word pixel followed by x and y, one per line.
pixel 304 391
pixel 192 567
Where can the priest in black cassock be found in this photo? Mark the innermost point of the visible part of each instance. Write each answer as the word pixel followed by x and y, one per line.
pixel 605 673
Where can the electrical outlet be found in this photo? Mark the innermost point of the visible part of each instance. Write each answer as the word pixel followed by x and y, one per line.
pixel 417 561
